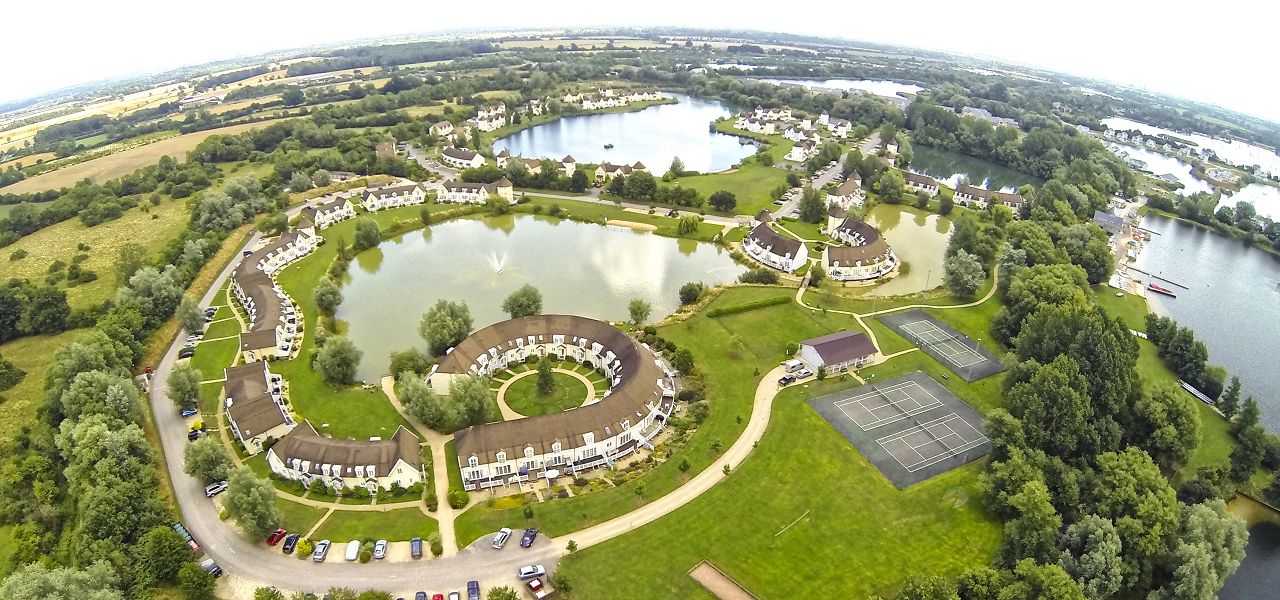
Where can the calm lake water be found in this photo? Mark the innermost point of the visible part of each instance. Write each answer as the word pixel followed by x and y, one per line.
pixel 919 239
pixel 1258 577
pixel 1238 153
pixel 652 136
pixel 1233 303
pixel 950 167
pixel 581 269
pixel 1265 198
pixel 877 87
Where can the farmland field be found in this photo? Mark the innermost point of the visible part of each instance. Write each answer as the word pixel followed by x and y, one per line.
pixel 123 163
pixel 584 44
pixel 27 161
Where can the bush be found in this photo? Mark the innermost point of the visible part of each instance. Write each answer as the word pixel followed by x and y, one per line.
pixel 458 498
pixel 759 275
pixel 746 306
pixel 433 503
pixel 304 549
pixel 437 548
pixel 366 555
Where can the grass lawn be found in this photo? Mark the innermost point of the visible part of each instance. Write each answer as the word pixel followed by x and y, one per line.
pixel 807 513
pixel 451 462
pixel 212 357
pixel 225 328
pixel 219 300
pixel 523 395
pixel 735 349
pixel 398 525
pixel 596 212
pixel 152 229
pixel 808 231
pixel 209 393
pixel 1132 309
pixel 752 183
pixel 33 355
pixel 298 518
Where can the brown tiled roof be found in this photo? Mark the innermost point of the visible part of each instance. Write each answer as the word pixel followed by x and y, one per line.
pixel 853 226
pixel 332 204
pixel 841 347
pixel 847 188
pixel 764 216
pixel 568 159
pixel 458 153
pixel 304 444
pixel 249 401
pixel 1007 198
pixel 919 179
pixel 976 192
pixel 765 236
pixel 848 256
pixel 627 400
pixel 390 190
pixel 835 211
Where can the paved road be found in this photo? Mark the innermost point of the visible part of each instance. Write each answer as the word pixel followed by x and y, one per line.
pixel 251 564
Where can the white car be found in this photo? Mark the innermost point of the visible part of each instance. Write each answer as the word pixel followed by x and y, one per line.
pixel 213 489
pixel 501 538
pixel 530 571
pixel 380 549
pixel 353 550
pixel 802 373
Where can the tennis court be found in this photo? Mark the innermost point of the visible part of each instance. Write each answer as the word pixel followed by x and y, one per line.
pixel 910 427
pixel 956 351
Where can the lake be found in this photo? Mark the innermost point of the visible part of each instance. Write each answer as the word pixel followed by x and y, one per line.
pixel 918 239
pixel 1233 303
pixel 871 86
pixel 652 136
pixel 1235 152
pixel 1259 575
pixel 582 269
pixel 1264 197
pixel 951 167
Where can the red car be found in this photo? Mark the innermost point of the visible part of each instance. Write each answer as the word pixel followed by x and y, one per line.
pixel 437 597
pixel 275 538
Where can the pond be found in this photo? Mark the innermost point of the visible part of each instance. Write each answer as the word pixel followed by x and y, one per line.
pixel 1235 152
pixel 652 136
pixel 1259 575
pixel 1232 304
pixel 582 269
pixel 1160 164
pixel 952 167
pixel 920 241
pixel 877 87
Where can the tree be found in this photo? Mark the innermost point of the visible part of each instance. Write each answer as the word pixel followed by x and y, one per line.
pixel 207 460
pixel 1054 409
pixel 367 234
pixel 299 182
pixel 338 359
pixel 292 96
pixel 328 296
pixel 546 382
pixel 409 361
pixel 1033 581
pixel 1033 533
pixel 1166 424
pixel 639 310
pixel 640 185
pixel 1091 556
pixel 946 201
pixel 683 361
pixel 1229 403
pixel 691 292
pixel 811 208
pixel 1248 453
pixel 109 395
pixel 38 581
pixel 190 317
pixel 1248 416
pixel 321 178
pixel 617 186
pixel 251 501
pixel 578 182
pixel 162 552
pixel 46 311
pixel 676 169
pixel 1129 490
pixel 817 274
pixel 687 224
pixel 196 583
pixel 502 592
pixel 891 186
pixel 274 224
pixel 473 400
pixel 268 593
pixel 183 385
pixel 153 292
pixel 444 325
pixel 1209 548
pixel 131 257
pixel 1035 287
pixel 723 201
pixel 927 588
pixel 963 274
pixel 922 200
pixel 524 302
pixel 423 403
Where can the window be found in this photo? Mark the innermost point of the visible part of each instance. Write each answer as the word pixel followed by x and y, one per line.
pixel 502 456
pixel 503 470
pixel 587 438
pixel 473 461
pixel 556 447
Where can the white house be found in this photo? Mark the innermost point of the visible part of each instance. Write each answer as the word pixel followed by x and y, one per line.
pixel 846 194
pixel 968 195
pixel 568 164
pixel 764 216
pixel 536 106
pixel 918 182
pixel 641 396
pixel 866 256
pixel 838 351
pixel 273 319
pixel 254 405
pixel 799 134
pixel 774 250
pixel 442 129
pixel 461 158
pixel 393 196
pixel 502 157
pixel 608 171
pixel 458 192
pixel 328 213
pixel 802 151
pixel 376 464
pixel 839 127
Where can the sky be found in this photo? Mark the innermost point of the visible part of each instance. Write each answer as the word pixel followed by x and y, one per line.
pixel 1217 52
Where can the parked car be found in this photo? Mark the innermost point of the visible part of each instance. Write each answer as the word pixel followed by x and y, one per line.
pixel 530 571
pixel 501 538
pixel 247 253
pixel 473 590
pixel 455 595
pixel 380 549
pixel 194 435
pixel 187 537
pixel 415 547
pixel 321 551
pixel 186 352
pixel 530 534
pixel 353 550
pixel 190 411
pixel 791 366
pixel 535 586
pixel 210 310
pixel 208 318
pixel 802 373
pixel 420 596
pixel 215 488
pixel 437 597
pixel 195 337
pixel 291 542
pixel 786 380
pixel 212 567
pixel 779 202
pixel 275 538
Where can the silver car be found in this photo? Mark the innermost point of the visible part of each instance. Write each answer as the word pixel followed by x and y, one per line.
pixel 501 538
pixel 380 549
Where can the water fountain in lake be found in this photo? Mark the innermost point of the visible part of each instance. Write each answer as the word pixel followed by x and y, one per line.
pixel 498 262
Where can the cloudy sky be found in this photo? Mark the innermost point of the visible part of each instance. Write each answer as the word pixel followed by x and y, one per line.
pixel 1218 52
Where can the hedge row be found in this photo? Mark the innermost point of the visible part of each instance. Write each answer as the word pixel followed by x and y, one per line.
pixel 746 306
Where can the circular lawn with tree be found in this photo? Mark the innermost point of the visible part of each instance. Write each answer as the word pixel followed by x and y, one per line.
pixel 524 397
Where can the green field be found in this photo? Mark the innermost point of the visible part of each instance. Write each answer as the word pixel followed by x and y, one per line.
pixel 223 328
pixel 213 357
pixel 523 395
pixel 31 354
pixel 752 183
pixel 398 525
pixel 298 518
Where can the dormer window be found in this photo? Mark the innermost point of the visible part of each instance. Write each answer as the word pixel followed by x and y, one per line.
pixel 473 461
pixel 502 456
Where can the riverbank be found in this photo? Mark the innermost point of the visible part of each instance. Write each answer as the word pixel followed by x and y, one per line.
pixel 487 139
pixel 1230 233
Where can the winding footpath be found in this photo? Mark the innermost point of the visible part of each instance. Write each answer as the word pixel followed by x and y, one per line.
pixel 250 564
